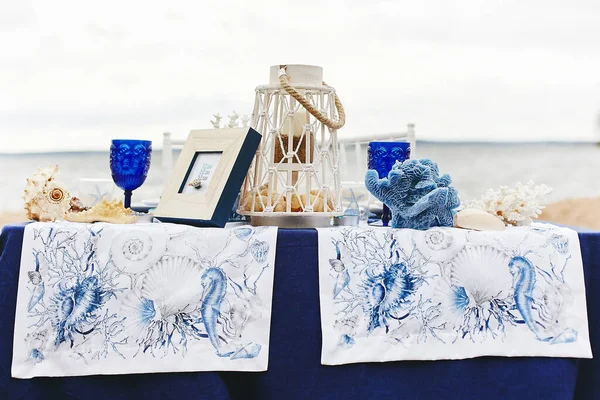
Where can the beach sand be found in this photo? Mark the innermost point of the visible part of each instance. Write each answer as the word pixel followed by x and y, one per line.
pixel 584 213
pixel 7 218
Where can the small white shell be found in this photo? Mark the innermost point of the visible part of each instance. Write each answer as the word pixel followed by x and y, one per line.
pixel 438 239
pixel 478 220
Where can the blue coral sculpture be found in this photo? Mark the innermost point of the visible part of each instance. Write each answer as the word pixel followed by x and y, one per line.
pixel 416 193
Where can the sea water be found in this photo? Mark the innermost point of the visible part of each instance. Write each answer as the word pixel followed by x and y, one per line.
pixel 571 169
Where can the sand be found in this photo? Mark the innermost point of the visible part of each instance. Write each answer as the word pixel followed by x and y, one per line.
pixel 575 212
pixel 7 218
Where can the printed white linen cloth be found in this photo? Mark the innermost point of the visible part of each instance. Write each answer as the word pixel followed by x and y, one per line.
pixel 120 299
pixel 446 293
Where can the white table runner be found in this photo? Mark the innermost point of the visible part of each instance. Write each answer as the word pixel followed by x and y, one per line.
pixel 449 293
pixel 118 299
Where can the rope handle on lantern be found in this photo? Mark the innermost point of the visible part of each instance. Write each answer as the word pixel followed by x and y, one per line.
pixel 285 84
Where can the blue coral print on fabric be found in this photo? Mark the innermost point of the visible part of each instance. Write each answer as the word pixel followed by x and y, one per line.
pixel 450 293
pixel 96 294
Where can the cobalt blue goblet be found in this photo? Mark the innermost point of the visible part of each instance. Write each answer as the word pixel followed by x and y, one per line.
pixel 129 164
pixel 382 157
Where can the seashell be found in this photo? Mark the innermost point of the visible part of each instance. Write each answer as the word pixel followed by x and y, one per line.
pixel 438 239
pixel 259 250
pixel 136 251
pixel 341 282
pixel 567 336
pixel 296 203
pixel 560 243
pixel 477 275
pixel 139 314
pixel 196 184
pixel 242 233
pixel 174 285
pixel 478 220
pixel 261 201
pixel 76 205
pixel 317 202
pixel 347 325
pixel 347 341
pixel 34 277
pixel 250 350
pixel 36 355
pixel 36 296
pixel 105 211
pixel 45 200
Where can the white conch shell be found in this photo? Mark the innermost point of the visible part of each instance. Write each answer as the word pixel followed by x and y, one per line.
pixel 478 220
pixel 45 200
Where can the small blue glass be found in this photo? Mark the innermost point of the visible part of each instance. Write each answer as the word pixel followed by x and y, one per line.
pixel 382 157
pixel 129 164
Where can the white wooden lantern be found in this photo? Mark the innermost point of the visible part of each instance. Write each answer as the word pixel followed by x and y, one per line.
pixel 294 178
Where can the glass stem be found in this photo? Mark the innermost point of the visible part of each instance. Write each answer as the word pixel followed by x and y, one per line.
pixel 386 216
pixel 128 194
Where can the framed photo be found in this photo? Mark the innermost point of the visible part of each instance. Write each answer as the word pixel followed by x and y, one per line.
pixel 208 176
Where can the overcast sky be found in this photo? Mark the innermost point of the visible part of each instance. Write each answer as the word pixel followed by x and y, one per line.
pixel 75 74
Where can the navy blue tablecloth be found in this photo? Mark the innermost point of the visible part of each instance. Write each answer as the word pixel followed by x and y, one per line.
pixel 295 370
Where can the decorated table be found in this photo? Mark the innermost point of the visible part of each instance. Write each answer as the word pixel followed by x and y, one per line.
pixel 451 301
pixel 295 345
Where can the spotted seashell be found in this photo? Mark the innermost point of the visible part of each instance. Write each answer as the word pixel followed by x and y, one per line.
pixel 242 233
pixel 438 239
pixel 560 243
pixel 259 250
pixel 34 277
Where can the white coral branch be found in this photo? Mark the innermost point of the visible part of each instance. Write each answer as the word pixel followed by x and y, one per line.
pixel 515 206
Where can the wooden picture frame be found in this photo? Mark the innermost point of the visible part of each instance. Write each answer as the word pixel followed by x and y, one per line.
pixel 208 176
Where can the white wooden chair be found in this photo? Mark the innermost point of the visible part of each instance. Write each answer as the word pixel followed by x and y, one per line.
pixel 353 151
pixel 353 168
pixel 353 162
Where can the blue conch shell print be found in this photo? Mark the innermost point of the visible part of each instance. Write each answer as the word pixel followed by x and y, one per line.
pixel 393 289
pixel 103 293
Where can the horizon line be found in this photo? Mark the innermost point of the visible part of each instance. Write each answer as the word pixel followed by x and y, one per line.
pixel 424 141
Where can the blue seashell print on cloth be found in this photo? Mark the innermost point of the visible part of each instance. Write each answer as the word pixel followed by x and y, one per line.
pixel 446 293
pixel 117 299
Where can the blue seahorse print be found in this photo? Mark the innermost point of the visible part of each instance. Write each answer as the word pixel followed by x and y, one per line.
pixel 215 280
pixel 523 273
